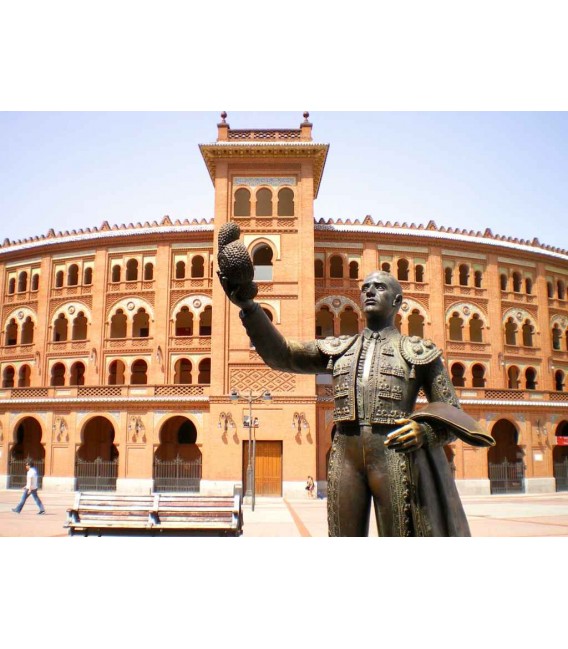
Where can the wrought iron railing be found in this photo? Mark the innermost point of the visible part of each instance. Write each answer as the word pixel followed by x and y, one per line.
pixel 561 475
pixel 17 474
pixel 507 477
pixel 95 475
pixel 177 475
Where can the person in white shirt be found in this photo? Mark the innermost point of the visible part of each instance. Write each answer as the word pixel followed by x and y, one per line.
pixel 30 489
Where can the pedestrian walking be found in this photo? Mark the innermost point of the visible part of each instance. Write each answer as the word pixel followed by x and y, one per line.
pixel 30 489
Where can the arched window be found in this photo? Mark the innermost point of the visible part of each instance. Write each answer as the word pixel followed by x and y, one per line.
pixel 264 202
pixel 262 262
pixel 464 274
pixel 478 376
pixel 528 331
pixel 141 324
pixel 8 377
pixel 318 268
pixel 204 375
pixel 184 322
pixel 27 331
pixel 60 327
pixel 118 325
pixel 448 279
pixel 504 281
pixel 348 322
pixel 24 376
pixel 242 202
pixel 116 273
pixel 77 374
pixel 205 322
pixel 517 282
pixel 416 324
pixel 513 377
pixel 197 267
pixel 477 278
pixel 530 378
pixel 139 374
pixel 22 282
pixel 182 371
pixel 73 275
pixel 458 373
pixel 12 286
pixel 456 327
pixel 550 289
pixel 12 333
pixel 58 374
pixel 88 276
pixel 528 286
pixel 180 270
pixel 324 323
pixel 116 373
pixel 419 273
pixel 336 267
pixel 402 270
pixel 476 329
pixel 559 381
pixel 285 202
pixel 79 331
pixel 556 338
pixel 561 289
pixel 148 271
pixel 59 275
pixel 132 270
pixel 353 270
pixel 385 267
pixel 511 332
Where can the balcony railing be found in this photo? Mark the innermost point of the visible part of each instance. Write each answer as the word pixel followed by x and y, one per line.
pixel 105 391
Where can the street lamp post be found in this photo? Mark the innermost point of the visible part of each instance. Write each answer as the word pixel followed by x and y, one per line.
pixel 251 460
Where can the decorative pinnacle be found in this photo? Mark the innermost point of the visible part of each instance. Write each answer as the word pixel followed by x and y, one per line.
pixel 306 115
pixel 224 116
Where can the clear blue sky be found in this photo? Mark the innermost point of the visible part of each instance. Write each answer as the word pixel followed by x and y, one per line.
pixel 504 171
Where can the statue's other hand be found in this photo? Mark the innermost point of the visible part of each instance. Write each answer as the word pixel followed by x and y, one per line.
pixel 409 437
pixel 232 292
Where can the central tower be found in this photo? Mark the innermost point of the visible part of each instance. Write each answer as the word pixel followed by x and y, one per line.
pixel 266 180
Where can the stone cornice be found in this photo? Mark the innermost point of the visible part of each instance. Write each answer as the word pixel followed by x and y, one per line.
pixel 254 149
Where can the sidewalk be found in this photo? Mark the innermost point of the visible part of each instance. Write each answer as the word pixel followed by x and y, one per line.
pixel 520 515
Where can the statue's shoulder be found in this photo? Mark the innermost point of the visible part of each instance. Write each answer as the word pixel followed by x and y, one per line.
pixel 418 351
pixel 332 346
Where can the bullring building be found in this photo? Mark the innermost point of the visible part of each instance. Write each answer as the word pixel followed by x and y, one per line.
pixel 123 367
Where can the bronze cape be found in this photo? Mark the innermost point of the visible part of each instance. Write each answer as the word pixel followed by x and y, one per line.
pixel 414 493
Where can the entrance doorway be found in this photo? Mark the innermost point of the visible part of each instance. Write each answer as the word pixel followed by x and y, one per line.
pixel 26 446
pixel 505 460
pixel 96 459
pixel 560 457
pixel 177 459
pixel 268 468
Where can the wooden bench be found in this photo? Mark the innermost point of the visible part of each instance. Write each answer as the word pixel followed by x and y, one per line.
pixel 179 514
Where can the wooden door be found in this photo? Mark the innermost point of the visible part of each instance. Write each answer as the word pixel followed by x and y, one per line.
pixel 268 468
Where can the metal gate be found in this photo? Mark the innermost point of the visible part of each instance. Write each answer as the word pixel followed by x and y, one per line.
pixel 177 475
pixel 17 474
pixel 507 477
pixel 561 475
pixel 95 475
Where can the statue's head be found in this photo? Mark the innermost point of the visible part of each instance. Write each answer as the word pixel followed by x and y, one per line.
pixel 381 297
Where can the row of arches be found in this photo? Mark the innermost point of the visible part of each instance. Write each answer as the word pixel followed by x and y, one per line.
pixel 21 283
pixel 262 200
pixel 517 379
pixel 516 283
pixel 72 276
pixel 131 273
pixel 556 289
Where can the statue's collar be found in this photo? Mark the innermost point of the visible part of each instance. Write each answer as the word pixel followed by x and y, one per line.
pixel 383 334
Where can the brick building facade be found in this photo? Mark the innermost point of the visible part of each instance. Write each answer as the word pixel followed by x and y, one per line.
pixel 119 351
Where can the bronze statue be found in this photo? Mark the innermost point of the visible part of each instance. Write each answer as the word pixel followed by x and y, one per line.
pixel 381 450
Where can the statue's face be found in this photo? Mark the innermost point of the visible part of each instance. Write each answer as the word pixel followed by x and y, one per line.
pixel 381 295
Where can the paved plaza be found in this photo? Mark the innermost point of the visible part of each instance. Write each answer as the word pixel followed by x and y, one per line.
pixel 520 515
